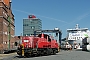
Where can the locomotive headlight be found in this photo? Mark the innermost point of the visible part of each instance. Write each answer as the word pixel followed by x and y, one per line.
pixel 26 41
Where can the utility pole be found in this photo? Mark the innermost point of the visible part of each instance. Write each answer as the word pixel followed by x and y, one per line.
pixel 9 29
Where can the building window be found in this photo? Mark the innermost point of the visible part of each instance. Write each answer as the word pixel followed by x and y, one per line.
pixel 32 27
pixel 25 25
pixel 32 22
pixel 28 34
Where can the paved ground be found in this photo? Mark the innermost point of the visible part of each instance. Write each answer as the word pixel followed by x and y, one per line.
pixel 62 55
pixel 74 55
pixel 5 56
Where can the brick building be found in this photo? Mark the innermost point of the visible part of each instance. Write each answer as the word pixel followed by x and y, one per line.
pixel 7 27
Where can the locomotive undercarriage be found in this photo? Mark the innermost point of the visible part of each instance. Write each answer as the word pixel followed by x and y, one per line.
pixel 28 52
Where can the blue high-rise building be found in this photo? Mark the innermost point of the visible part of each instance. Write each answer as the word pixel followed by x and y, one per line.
pixel 31 24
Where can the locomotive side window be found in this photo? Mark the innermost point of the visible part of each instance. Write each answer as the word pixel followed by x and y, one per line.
pixel 49 39
pixel 45 36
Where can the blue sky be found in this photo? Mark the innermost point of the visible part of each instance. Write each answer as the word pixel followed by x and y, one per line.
pixel 63 14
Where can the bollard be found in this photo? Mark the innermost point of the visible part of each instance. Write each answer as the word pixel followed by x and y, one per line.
pixel 22 50
pixel 58 49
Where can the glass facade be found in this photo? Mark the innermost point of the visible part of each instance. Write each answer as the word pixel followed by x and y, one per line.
pixel 30 25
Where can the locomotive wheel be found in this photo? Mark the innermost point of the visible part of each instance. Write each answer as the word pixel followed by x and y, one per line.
pixel 54 52
pixel 41 53
pixel 47 53
pixel 26 55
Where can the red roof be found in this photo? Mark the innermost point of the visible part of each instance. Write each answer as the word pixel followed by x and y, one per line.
pixel 31 16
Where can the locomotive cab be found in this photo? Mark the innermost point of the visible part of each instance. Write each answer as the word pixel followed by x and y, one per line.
pixel 45 36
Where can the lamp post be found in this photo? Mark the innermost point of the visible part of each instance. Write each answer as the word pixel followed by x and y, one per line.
pixel 9 29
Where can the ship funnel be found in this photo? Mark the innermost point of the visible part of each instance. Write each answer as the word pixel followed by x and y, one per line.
pixel 77 26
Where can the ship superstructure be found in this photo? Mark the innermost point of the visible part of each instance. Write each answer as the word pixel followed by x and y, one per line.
pixel 75 36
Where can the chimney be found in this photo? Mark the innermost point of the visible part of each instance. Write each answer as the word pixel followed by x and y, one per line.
pixel 42 35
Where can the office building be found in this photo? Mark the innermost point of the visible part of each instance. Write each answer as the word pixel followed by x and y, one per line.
pixel 31 24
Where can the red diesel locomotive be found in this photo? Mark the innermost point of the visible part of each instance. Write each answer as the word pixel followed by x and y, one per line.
pixel 43 44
